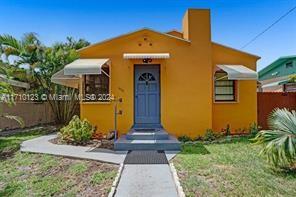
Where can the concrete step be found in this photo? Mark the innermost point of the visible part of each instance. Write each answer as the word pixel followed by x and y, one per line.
pixel 123 144
pixel 147 135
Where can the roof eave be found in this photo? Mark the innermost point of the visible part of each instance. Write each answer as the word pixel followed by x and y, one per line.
pixel 275 63
pixel 249 54
pixel 129 33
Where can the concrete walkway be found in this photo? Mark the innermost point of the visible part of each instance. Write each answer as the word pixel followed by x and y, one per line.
pixel 135 181
pixel 146 181
pixel 42 145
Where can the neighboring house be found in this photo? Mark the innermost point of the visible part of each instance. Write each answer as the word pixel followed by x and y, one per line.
pixel 179 81
pixel 275 76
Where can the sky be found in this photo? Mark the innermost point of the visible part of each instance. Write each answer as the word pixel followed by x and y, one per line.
pixel 233 22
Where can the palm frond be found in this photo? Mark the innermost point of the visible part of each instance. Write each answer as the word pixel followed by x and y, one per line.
pixel 283 119
pixel 279 144
pixel 10 41
pixel 18 119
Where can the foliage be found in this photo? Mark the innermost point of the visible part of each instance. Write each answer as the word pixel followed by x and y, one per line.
pixel 254 129
pixel 226 131
pixel 198 138
pixel 184 138
pixel 210 135
pixel 77 131
pixel 6 93
pixel 292 78
pixel 279 143
pixel 43 62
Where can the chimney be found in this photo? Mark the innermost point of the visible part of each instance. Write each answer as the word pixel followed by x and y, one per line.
pixel 197 26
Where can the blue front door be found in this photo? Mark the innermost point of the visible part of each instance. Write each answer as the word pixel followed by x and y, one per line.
pixel 147 110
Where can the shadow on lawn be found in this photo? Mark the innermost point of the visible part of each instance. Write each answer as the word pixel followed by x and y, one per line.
pixel 11 144
pixel 194 148
pixel 198 147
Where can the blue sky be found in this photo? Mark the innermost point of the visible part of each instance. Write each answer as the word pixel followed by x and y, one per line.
pixel 234 22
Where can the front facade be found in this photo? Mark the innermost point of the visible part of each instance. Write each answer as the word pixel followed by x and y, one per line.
pixel 180 81
pixel 275 77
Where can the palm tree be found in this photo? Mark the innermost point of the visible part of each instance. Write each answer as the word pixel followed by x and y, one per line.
pixel 279 143
pixel 27 51
pixel 43 62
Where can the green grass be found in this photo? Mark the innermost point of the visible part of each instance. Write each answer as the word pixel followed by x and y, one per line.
pixel 99 177
pixel 11 144
pixel 78 168
pixel 230 169
pixel 25 174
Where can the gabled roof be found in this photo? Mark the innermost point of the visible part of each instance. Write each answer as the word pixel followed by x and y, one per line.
pixel 161 34
pixel 134 32
pixel 240 51
pixel 275 64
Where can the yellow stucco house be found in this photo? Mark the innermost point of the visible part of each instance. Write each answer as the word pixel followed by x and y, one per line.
pixel 179 82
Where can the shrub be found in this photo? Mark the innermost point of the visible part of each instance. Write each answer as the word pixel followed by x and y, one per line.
pixel 198 138
pixel 227 130
pixel 279 143
pixel 210 135
pixel 254 128
pixel 184 138
pixel 77 131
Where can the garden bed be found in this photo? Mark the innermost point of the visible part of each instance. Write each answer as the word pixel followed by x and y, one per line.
pixel 94 143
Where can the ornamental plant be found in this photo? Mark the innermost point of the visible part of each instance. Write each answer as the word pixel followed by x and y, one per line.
pixel 279 143
pixel 77 131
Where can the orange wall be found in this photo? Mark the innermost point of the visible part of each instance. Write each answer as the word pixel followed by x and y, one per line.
pixel 240 114
pixel 186 80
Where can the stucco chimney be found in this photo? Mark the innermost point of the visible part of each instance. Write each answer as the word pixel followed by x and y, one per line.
pixel 197 25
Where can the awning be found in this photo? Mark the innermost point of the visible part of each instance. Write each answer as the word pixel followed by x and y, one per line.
pixel 239 72
pixel 146 55
pixel 65 80
pixel 85 67
pixel 276 83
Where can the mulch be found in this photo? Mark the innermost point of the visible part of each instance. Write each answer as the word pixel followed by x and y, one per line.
pixel 94 143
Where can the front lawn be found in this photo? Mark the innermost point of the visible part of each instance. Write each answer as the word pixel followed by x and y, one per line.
pixel 25 174
pixel 230 169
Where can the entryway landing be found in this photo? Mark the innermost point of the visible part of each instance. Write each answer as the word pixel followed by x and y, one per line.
pixel 147 139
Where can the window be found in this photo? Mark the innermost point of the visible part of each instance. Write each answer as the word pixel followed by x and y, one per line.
pixel 224 88
pixel 289 65
pixel 96 87
pixel 146 77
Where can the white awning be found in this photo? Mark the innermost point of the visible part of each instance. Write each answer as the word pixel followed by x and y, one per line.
pixel 239 72
pixel 276 83
pixel 146 55
pixel 85 67
pixel 65 80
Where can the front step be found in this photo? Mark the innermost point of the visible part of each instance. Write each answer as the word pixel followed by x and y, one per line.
pixel 123 144
pixel 147 135
pixel 147 139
